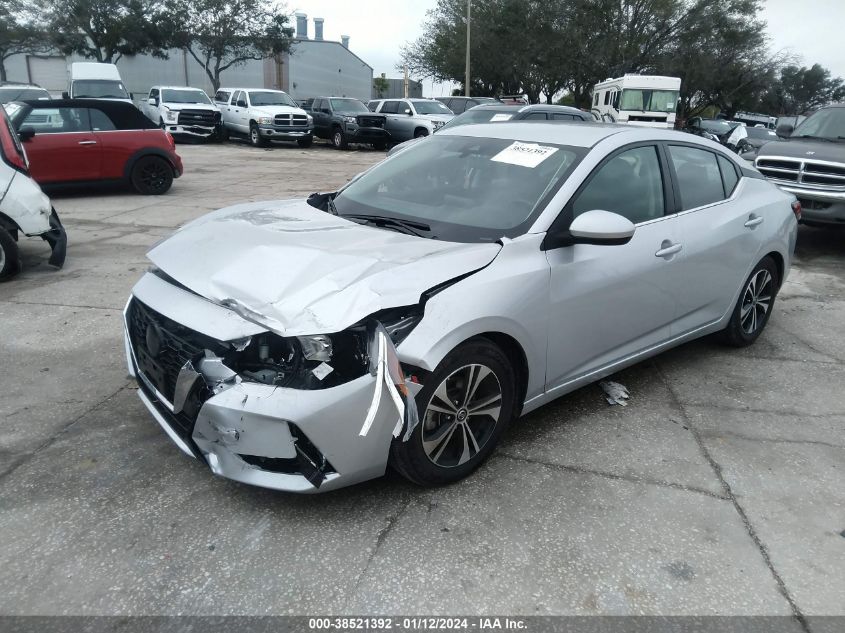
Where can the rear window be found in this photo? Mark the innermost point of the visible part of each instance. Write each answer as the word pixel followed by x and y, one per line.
pixel 22 94
pixel 222 96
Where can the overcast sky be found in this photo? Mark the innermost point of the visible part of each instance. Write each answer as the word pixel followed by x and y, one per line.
pixel 811 29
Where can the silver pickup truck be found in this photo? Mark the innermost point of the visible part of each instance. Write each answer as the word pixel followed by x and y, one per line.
pixel 809 162
pixel 264 115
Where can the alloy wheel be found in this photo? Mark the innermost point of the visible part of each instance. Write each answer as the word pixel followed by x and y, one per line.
pixel 756 301
pixel 154 175
pixel 461 415
pixel 338 139
pixel 2 258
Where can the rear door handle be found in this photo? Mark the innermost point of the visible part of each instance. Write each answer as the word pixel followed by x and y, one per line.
pixel 667 249
pixel 87 142
pixel 753 220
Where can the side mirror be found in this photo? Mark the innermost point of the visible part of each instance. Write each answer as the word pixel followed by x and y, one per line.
pixel 153 101
pixel 408 112
pixel 602 228
pixel 241 103
pixel 26 134
pixel 65 95
pixel 785 130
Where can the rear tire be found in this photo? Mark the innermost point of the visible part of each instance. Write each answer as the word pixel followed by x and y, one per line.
pixel 754 306
pixel 10 263
pixel 452 440
pixel 152 176
pixel 380 146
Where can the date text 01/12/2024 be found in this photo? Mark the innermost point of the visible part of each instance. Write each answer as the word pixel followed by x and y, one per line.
pixel 417 623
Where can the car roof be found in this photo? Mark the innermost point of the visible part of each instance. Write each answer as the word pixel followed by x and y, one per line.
pixel 178 88
pixel 232 89
pixel 124 114
pixel 534 107
pixel 586 134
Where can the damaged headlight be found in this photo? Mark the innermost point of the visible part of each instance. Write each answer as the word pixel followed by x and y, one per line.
pixel 317 361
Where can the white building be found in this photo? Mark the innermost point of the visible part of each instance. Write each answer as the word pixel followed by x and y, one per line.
pixel 315 67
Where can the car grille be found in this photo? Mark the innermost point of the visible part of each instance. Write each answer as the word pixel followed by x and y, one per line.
pixel 370 121
pixel 803 172
pixel 199 117
pixel 160 368
pixel 291 120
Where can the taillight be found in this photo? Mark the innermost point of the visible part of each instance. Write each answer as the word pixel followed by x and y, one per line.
pixel 796 209
pixel 11 148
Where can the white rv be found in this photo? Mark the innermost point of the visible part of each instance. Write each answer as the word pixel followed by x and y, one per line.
pixel 94 80
pixel 647 100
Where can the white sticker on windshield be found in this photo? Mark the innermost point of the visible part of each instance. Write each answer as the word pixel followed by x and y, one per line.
pixel 524 154
pixel 501 117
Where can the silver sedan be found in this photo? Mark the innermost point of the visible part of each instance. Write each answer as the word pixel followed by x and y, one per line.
pixel 410 317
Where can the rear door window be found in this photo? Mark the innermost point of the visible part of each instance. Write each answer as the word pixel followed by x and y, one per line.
pixel 99 121
pixel 535 116
pixel 699 179
pixel 562 117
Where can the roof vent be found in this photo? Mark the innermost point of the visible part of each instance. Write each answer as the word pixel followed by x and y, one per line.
pixel 344 39
pixel 318 28
pixel 301 26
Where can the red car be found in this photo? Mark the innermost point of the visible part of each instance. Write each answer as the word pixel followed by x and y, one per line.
pixel 94 140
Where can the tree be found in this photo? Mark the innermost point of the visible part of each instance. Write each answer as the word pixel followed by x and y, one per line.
pixel 799 89
pixel 105 30
pixel 382 85
pixel 19 33
pixel 221 34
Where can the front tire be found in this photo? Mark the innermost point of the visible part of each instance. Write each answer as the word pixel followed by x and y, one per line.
pixel 255 136
pixel 339 140
pixel 380 146
pixel 10 263
pixel 754 306
pixel 421 133
pixel 305 142
pixel 152 176
pixel 466 404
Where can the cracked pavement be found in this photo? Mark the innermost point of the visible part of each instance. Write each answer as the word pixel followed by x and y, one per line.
pixel 718 490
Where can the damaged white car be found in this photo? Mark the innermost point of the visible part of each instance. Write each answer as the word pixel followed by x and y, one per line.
pixel 24 208
pixel 408 318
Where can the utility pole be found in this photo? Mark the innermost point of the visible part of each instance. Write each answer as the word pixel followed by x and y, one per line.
pixel 405 82
pixel 466 91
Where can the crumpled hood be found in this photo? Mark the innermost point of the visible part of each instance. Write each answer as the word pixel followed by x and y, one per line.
pixel 805 149
pixel 297 270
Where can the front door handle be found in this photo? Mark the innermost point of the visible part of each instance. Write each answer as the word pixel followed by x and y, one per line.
pixel 87 142
pixel 753 220
pixel 667 249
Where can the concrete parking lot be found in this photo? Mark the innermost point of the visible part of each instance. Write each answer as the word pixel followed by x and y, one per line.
pixel 718 490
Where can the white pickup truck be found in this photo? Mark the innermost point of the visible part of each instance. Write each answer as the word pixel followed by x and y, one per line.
pixel 264 115
pixel 183 111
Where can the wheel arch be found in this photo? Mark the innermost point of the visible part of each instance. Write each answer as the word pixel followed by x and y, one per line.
pixel 423 129
pixel 779 263
pixel 519 361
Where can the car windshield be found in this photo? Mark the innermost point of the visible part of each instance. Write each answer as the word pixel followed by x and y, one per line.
pixel 485 115
pixel 348 106
pixel 15 93
pixel 267 98
pixel 828 123
pixel 649 100
pixel 466 189
pixel 430 107
pixel 99 89
pixel 184 96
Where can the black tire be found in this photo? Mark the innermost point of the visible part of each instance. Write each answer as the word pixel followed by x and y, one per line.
pixel 255 136
pixel 447 436
pixel 751 313
pixel 222 134
pixel 306 142
pixel 152 175
pixel 380 146
pixel 10 262
pixel 420 133
pixel 339 140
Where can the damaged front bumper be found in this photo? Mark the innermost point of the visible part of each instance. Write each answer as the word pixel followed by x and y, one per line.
pixel 283 438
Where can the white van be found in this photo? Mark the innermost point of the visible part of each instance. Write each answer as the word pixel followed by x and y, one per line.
pixel 93 80
pixel 646 100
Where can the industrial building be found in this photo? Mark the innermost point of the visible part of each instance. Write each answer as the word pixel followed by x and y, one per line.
pixel 314 66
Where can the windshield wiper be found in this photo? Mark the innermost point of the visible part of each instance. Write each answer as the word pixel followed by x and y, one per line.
pixel 330 203
pixel 410 226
